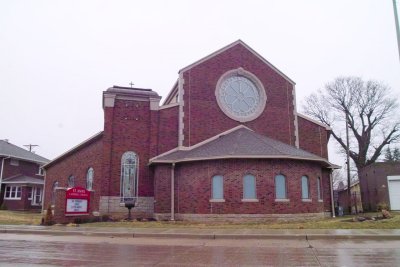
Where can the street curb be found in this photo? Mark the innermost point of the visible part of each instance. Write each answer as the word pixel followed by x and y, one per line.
pixel 206 236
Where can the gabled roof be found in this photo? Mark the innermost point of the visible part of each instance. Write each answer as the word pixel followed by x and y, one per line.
pixel 238 42
pixel 9 150
pixel 74 149
pixel 239 142
pixel 327 127
pixel 22 179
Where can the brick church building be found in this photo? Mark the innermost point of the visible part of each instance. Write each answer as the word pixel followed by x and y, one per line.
pixel 226 144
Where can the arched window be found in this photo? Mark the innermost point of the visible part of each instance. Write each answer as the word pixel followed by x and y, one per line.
pixel 53 193
pixel 305 192
pixel 249 187
pixel 129 176
pixel 280 187
pixel 71 181
pixel 217 187
pixel 89 179
pixel 319 189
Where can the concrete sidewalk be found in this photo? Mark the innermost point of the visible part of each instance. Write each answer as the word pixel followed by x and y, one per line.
pixel 309 234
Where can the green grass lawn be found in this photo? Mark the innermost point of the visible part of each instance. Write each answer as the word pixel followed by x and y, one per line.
pixel 20 217
pixel 29 218
pixel 328 223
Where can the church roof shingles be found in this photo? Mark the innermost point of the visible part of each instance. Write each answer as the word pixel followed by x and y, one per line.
pixel 239 143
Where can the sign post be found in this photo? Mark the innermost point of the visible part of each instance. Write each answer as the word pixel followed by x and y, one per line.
pixel 77 201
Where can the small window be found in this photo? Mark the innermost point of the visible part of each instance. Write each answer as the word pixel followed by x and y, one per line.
pixel 89 179
pixel 249 187
pixel 305 192
pixel 14 162
pixel 37 196
pixel 280 187
pixel 217 187
pixel 319 189
pixel 13 192
pixel 40 171
pixel 71 181
pixel 53 194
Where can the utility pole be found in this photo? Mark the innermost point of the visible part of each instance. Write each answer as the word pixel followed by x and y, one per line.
pixel 30 147
pixel 348 163
pixel 396 20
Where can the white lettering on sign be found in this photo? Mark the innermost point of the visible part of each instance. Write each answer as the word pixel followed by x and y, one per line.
pixel 77 205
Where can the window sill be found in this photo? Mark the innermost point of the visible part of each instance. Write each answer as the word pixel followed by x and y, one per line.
pixel 306 200
pixel 320 200
pixel 217 200
pixel 282 200
pixel 249 200
pixel 12 198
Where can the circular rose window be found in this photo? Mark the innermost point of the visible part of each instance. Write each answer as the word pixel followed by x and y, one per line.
pixel 240 95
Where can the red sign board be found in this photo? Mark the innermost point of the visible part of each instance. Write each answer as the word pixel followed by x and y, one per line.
pixel 77 201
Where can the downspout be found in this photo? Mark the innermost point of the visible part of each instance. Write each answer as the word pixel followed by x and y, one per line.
pixel 43 193
pixel 172 192
pixel 331 186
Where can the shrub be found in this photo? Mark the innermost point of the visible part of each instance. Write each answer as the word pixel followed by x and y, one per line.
pixel 48 218
pixel 382 206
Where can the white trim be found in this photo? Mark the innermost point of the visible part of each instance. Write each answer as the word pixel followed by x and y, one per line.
pixel 250 200
pixel 16 187
pixel 314 121
pixel 74 148
pixel 168 106
pixel 296 122
pixel 282 200
pixel 217 200
pixel 22 183
pixel 23 159
pixel 230 46
pixel 393 177
pixel 181 114
pixel 248 157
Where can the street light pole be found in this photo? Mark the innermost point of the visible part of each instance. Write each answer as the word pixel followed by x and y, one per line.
pixel 396 20
pixel 348 164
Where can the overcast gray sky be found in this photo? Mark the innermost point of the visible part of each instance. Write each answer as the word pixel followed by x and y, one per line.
pixel 56 57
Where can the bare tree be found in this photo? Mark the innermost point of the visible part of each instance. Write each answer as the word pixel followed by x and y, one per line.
pixel 370 111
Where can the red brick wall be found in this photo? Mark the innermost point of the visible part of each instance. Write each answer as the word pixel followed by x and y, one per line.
pixel 373 183
pixel 313 137
pixel 168 130
pixel 77 164
pixel 162 188
pixel 24 167
pixel 127 127
pixel 193 187
pixel 22 204
pixel 202 115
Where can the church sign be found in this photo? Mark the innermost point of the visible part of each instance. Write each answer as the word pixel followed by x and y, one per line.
pixel 77 201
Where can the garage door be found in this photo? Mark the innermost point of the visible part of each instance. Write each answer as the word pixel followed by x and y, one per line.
pixel 394 192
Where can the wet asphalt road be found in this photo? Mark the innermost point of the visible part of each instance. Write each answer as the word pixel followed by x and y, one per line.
pixel 41 250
